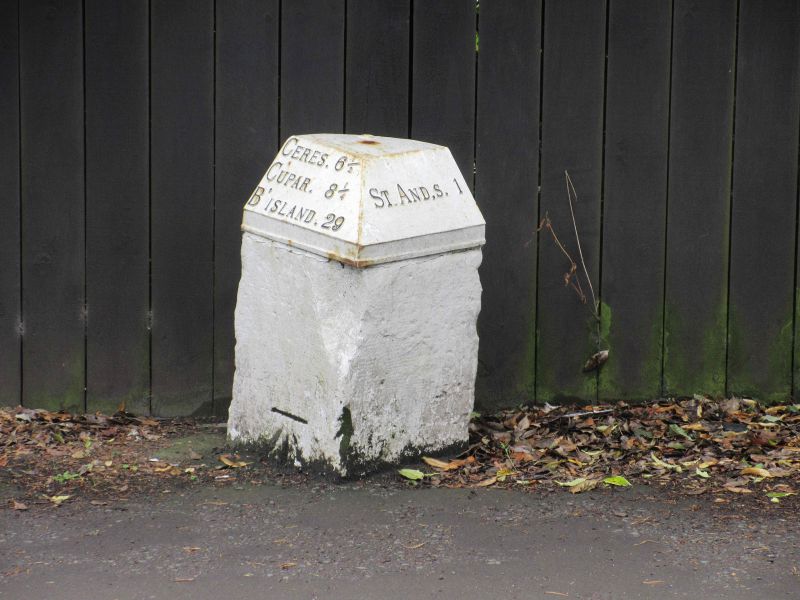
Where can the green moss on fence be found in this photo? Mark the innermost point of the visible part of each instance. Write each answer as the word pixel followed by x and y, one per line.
pixel 619 381
pixel 71 399
pixel 524 388
pixel 136 397
pixel 767 379
pixel 699 369
pixel 583 385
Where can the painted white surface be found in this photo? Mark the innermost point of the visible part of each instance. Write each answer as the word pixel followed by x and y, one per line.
pixel 396 344
pixel 369 328
pixel 364 200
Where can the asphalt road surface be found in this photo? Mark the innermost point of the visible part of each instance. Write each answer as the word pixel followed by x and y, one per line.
pixel 380 540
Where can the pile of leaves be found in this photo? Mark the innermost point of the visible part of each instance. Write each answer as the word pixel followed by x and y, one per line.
pixel 697 445
pixel 703 445
pixel 55 456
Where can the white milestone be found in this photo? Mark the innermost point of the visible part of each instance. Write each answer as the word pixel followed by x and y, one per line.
pixel 356 341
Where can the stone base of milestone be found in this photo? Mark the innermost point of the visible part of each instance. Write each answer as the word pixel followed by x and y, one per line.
pixel 344 369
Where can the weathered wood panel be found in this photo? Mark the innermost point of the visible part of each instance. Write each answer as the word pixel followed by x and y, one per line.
pixel 377 70
pixel 182 205
pixel 117 206
pixel 572 140
pixel 507 156
pixel 76 245
pixel 9 205
pixel 312 67
pixel 763 224
pixel 443 81
pixel 634 197
pixel 246 141
pixel 701 129
pixel 51 91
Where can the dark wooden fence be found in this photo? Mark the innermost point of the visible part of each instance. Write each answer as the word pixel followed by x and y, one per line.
pixel 131 133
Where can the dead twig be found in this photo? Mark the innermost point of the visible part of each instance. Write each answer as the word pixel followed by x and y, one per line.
pixel 570 193
pixel 586 413
pixel 570 277
pixel 579 414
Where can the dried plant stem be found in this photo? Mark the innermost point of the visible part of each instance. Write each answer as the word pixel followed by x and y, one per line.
pixel 570 277
pixel 570 193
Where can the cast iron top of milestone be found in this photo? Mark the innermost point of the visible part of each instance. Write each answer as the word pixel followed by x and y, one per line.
pixel 364 200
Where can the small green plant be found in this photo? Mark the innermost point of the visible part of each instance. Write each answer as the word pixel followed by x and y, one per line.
pixel 65 476
pixel 506 450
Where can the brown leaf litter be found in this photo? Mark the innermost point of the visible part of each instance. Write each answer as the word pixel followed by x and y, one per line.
pixel 699 445
pixel 695 445
pixel 52 457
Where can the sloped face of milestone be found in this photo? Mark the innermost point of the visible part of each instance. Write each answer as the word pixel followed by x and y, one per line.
pixel 364 200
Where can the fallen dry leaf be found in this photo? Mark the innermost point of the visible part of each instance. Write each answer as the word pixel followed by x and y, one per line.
pixel 738 490
pixel 596 361
pixel 446 465
pixel 756 471
pixel 436 463
pixel 415 546
pixel 232 461
pixel 521 456
pixel 584 486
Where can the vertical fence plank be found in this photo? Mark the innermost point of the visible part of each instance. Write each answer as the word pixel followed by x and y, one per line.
pixel 52 203
pixel 246 140
pixel 377 69
pixel 701 123
pixel 572 139
pixel 182 205
pixel 764 200
pixel 117 212
pixel 634 205
pixel 443 78
pixel 9 205
pixel 395 79
pixel 312 67
pixel 506 190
